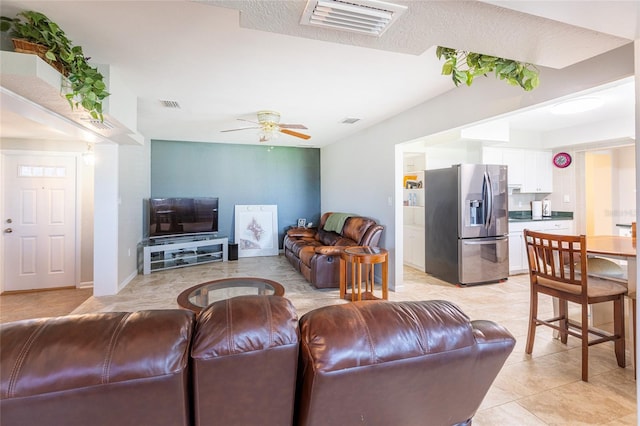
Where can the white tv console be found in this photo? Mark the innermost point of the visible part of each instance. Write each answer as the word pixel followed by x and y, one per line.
pixel 179 251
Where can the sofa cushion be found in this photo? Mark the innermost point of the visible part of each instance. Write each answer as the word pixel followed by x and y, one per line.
pixel 90 350
pixel 244 324
pixel 245 353
pixel 327 238
pixel 301 232
pixel 373 330
pixel 97 369
pixel 296 245
pixel 345 242
pixel 355 228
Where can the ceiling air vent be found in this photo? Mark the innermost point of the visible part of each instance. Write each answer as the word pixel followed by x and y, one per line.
pixel 369 17
pixel 350 120
pixel 97 124
pixel 170 104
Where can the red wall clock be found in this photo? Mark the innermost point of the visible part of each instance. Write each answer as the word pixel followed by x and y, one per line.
pixel 562 160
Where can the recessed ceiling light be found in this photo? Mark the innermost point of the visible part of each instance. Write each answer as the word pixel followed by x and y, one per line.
pixel 575 106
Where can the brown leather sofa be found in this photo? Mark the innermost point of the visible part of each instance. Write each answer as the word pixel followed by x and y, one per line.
pixel 248 360
pixel 235 365
pixel 315 253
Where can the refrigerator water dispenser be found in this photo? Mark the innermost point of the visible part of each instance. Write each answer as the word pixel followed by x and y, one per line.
pixel 476 213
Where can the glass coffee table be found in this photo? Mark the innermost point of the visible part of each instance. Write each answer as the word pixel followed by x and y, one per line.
pixel 200 296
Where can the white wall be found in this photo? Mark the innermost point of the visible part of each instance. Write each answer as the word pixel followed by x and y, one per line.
pixel 359 173
pixel 624 185
pixel 134 177
pixel 121 183
pixel 105 265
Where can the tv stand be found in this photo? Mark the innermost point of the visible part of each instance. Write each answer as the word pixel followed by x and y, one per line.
pixel 179 251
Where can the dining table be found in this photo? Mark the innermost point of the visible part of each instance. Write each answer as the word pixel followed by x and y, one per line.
pixel 618 248
pixel 622 249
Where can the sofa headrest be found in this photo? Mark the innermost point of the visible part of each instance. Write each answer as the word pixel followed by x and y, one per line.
pixel 245 324
pixel 373 332
pixel 356 226
pixel 56 354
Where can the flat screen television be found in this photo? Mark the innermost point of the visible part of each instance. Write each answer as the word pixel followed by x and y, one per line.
pixel 181 216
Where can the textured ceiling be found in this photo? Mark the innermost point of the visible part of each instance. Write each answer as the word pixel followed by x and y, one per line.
pixel 468 25
pixel 224 60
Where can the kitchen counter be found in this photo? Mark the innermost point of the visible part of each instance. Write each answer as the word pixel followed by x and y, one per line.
pixel 525 216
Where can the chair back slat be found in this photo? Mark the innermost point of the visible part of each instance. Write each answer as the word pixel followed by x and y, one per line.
pixel 554 257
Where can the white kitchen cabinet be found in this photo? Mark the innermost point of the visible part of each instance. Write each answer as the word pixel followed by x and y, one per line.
pixel 517 255
pixel 414 247
pixel 514 159
pixel 518 262
pixel 530 170
pixel 538 172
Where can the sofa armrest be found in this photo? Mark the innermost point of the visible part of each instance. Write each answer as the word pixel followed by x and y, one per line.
pixel 330 250
pixel 301 232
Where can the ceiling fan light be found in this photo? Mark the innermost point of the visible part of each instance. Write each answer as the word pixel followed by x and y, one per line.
pixel 576 106
pixel 268 117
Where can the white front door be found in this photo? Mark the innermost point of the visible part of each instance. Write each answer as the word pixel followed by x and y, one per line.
pixel 38 221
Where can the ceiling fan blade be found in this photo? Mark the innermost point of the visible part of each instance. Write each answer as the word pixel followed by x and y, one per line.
pixel 292 126
pixel 248 121
pixel 296 134
pixel 243 128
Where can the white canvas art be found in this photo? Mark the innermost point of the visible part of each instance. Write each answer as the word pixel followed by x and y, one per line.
pixel 256 231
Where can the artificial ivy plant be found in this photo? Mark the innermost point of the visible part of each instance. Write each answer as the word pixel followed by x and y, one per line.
pixel 86 84
pixel 464 66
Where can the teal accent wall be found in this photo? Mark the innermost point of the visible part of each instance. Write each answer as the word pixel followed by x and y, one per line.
pixel 288 177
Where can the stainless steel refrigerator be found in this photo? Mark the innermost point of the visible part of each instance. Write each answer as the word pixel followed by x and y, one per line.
pixel 467 223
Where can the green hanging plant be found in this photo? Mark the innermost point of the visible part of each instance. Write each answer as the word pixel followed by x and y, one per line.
pixel 85 85
pixel 464 66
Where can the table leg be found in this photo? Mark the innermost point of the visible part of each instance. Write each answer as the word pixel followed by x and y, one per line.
pixel 385 277
pixel 353 281
pixel 343 278
pixel 359 281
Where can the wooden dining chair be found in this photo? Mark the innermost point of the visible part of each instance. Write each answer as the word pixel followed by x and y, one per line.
pixel 554 270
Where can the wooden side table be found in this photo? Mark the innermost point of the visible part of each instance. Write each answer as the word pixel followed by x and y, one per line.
pixel 358 257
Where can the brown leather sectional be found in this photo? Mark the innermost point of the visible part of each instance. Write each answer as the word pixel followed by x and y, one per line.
pixel 249 361
pixel 315 253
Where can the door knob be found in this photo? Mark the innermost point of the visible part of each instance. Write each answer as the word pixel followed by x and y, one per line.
pixel 8 231
pixel 9 220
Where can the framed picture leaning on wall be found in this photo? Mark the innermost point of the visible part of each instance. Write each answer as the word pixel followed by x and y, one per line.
pixel 256 230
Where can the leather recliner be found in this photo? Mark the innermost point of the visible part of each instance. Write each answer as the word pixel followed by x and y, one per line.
pixel 396 363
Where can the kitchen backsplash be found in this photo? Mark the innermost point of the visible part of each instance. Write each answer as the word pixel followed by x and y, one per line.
pixel 522 202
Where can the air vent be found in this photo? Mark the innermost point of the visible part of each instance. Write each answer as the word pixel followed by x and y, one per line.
pixel 170 104
pixel 350 120
pixel 369 17
pixel 97 124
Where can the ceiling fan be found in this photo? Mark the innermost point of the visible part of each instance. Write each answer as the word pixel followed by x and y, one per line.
pixel 269 124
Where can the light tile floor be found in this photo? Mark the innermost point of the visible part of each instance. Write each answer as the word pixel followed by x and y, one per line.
pixel 541 389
